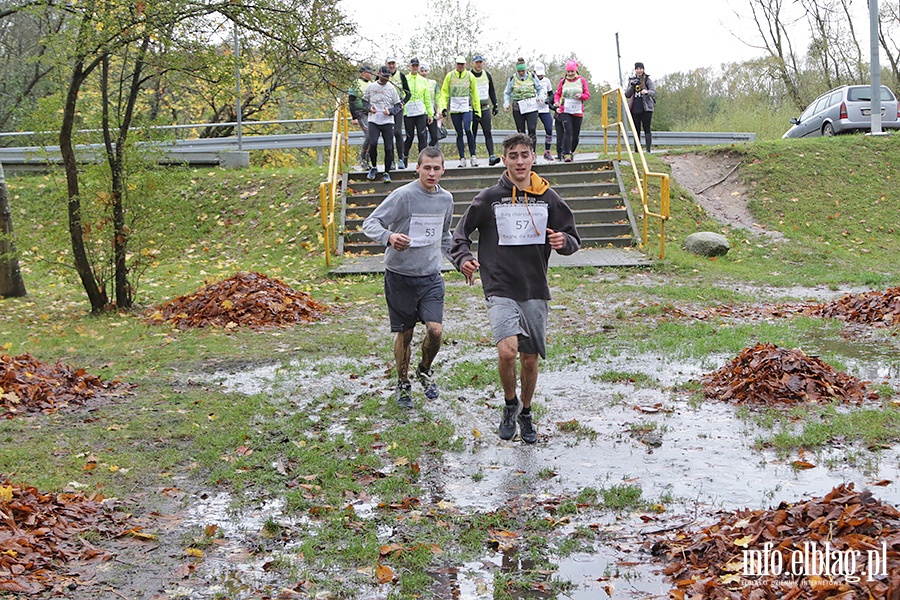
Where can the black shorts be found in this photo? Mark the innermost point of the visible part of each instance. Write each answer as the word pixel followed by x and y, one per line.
pixel 413 299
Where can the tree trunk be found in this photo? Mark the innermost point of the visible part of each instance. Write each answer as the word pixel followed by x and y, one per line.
pixel 96 294
pixel 11 282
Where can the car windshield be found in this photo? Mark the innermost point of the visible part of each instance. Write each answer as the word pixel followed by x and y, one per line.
pixel 863 94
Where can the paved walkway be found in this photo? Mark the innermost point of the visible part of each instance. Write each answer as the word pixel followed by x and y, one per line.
pixel 588 257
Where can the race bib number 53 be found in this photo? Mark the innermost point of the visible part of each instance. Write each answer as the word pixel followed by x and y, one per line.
pixel 521 224
pixel 425 230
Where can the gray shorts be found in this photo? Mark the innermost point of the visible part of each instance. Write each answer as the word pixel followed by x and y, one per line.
pixel 527 320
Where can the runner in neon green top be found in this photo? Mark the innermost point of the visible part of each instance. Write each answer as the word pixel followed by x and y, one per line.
pixel 459 97
pixel 418 111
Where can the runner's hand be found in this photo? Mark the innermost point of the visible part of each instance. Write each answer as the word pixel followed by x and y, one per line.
pixel 468 269
pixel 399 241
pixel 557 239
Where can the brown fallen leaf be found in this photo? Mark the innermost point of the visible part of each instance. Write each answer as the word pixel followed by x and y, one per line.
pixel 384 574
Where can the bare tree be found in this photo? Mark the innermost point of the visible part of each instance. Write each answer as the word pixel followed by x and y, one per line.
pixel 11 282
pixel 773 25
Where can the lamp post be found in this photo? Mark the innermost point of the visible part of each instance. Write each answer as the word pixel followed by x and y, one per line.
pixel 875 68
pixel 236 159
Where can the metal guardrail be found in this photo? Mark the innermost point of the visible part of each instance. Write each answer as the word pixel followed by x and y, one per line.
pixel 206 151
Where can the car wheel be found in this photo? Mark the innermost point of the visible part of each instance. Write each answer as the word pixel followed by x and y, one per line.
pixel 827 130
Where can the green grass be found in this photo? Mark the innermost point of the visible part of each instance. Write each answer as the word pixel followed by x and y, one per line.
pixel 320 452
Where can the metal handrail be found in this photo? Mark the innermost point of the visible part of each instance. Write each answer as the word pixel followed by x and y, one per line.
pixel 642 182
pixel 328 189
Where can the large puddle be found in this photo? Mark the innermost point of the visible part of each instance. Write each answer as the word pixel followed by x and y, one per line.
pixel 690 458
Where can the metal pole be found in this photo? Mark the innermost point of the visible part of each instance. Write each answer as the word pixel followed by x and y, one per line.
pixel 619 59
pixel 237 95
pixel 876 67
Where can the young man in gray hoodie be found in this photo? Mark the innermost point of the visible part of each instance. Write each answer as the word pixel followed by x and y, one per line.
pixel 413 223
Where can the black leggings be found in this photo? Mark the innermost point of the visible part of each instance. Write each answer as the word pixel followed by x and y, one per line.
pixel 387 132
pixel 571 130
pixel 642 119
pixel 485 121
pixel 528 120
pixel 398 132
pixel 419 126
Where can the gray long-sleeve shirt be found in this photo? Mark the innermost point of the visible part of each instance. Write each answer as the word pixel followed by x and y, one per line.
pixel 415 212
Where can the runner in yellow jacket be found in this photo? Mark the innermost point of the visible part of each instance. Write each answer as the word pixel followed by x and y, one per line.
pixel 459 96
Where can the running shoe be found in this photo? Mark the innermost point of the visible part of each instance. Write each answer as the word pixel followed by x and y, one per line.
pixel 473 162
pixel 493 160
pixel 373 173
pixel 548 156
pixel 426 378
pixel 462 163
pixel 386 178
pixel 404 394
pixel 507 427
pixel 526 428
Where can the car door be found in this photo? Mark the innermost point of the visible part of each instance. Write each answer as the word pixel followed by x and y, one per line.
pixel 812 126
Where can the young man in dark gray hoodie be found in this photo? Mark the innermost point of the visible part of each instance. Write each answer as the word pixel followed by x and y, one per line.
pixel 519 222
pixel 413 223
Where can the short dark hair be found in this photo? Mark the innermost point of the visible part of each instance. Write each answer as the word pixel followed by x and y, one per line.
pixel 430 152
pixel 517 139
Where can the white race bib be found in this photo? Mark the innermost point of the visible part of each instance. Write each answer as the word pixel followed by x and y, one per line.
pixel 459 104
pixel 484 93
pixel 415 108
pixel 573 106
pixel 521 224
pixel 425 230
pixel 527 105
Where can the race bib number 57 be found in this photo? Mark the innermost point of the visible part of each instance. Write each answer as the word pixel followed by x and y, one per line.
pixel 521 224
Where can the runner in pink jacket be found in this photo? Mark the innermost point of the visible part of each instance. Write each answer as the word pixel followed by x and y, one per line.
pixel 571 94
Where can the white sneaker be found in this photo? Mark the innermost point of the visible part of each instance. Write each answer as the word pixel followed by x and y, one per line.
pixel 462 163
pixel 473 162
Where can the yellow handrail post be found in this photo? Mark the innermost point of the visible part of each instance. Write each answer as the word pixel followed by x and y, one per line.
pixel 338 158
pixel 642 181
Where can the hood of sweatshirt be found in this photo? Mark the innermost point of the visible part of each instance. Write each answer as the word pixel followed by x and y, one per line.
pixel 536 187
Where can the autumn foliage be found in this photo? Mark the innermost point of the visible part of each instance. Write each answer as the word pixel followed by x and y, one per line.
pixel 39 531
pixel 244 300
pixel 29 385
pixel 870 308
pixel 768 375
pixel 710 563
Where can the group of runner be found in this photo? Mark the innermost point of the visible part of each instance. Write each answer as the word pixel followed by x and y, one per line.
pixel 387 102
pixel 519 222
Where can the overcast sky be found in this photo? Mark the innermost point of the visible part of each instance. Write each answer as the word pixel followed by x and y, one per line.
pixel 667 35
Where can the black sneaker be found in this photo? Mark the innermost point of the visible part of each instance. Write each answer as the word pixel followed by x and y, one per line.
pixel 507 427
pixel 404 394
pixel 526 428
pixel 426 378
pixel 493 160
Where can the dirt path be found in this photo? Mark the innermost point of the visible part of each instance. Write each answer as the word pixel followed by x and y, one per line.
pixel 713 182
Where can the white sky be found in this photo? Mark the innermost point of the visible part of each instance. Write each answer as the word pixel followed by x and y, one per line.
pixel 667 35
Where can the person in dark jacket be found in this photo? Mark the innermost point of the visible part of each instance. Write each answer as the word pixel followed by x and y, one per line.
pixel 520 220
pixel 357 112
pixel 643 99
pixel 488 96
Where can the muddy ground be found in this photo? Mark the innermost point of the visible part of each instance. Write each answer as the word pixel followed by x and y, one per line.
pixel 692 460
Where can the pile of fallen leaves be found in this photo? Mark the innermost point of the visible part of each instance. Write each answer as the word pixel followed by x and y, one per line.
pixel 39 531
pixel 244 300
pixel 767 374
pixel 29 385
pixel 869 308
pixel 715 562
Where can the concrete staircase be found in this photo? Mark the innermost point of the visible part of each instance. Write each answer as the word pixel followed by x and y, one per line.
pixel 592 189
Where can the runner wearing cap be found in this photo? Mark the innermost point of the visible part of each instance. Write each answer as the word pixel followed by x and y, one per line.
pixel 522 92
pixel 488 98
pixel 571 94
pixel 545 105
pixel 382 102
pixel 399 80
pixel 358 113
pixel 459 97
pixel 418 111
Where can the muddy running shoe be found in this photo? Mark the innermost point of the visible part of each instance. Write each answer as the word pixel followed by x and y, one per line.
pixel 507 427
pixel 404 394
pixel 526 428
pixel 426 378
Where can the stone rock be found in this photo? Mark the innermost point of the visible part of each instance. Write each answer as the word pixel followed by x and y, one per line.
pixel 707 243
